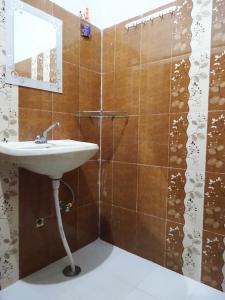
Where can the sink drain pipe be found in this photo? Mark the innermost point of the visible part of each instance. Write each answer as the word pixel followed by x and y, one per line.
pixel 72 269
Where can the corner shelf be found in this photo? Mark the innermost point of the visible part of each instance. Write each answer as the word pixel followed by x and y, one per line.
pixel 100 114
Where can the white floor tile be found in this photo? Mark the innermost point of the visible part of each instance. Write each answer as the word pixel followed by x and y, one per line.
pixel 19 291
pixel 108 273
pixel 96 254
pixel 203 292
pixel 106 258
pixel 139 295
pixel 98 289
pixel 164 284
pixel 130 268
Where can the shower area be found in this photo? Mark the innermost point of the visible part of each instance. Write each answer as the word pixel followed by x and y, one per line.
pixel 161 169
pixel 149 89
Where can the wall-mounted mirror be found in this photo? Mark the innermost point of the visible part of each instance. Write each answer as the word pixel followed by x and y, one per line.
pixel 33 47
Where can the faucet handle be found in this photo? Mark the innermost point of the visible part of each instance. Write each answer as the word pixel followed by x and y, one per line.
pixel 39 139
pixel 43 138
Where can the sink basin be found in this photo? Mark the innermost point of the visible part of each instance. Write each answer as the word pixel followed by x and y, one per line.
pixel 52 159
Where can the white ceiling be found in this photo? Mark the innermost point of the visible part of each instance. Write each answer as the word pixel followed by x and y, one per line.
pixel 105 13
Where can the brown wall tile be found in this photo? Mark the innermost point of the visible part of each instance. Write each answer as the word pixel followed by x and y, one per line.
pixel 68 101
pixel 108 91
pixel 121 91
pixel 65 194
pixel 35 99
pixel 151 237
pixel 45 5
pixel 106 181
pixel 46 246
pixel 90 132
pixel 125 139
pixel 123 228
pixel 153 140
pixel 87 224
pixel 36 199
pixel 71 38
pixel 152 190
pixel 90 50
pixel 30 260
pixel 155 87
pixel 89 90
pixel 88 183
pixel 153 34
pixel 109 38
pixel 33 122
pixel 125 185
pixel 105 222
pixel 107 139
pixel 69 127
pixel 127 51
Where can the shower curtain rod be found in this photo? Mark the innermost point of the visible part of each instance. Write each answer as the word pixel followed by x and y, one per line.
pixel 144 20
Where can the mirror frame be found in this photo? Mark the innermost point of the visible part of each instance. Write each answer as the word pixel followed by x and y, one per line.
pixel 11 78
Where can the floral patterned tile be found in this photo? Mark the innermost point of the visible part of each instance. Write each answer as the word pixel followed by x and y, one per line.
pixel 174 246
pixel 197 139
pixel 216 142
pixel 176 195
pixel 192 253
pixel 194 199
pixel 8 191
pixel 212 259
pixel 218 26
pixel 8 124
pixel 178 140
pixel 179 84
pixel 182 28
pixel 9 256
pixel 214 210
pixel 8 110
pixel 217 80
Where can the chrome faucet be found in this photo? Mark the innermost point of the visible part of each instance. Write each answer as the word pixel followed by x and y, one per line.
pixel 43 138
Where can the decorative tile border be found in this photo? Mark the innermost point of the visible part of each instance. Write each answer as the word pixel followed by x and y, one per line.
pixel 212 259
pixel 9 264
pixel 9 245
pixel 197 137
pixel 174 247
pixel 214 203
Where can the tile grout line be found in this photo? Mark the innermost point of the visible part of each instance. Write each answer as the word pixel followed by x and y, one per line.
pixel 100 132
pixel 113 127
pixel 138 138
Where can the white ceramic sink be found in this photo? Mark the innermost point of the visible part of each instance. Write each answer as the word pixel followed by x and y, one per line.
pixel 52 159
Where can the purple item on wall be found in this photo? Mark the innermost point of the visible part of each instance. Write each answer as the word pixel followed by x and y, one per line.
pixel 86 30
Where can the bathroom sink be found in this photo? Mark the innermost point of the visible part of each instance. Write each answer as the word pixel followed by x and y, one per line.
pixel 53 158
